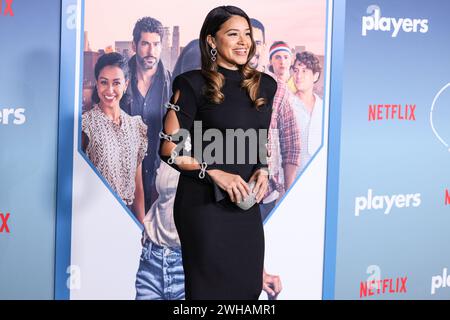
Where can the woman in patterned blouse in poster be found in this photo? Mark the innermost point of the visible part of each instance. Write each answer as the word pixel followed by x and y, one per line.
pixel 115 142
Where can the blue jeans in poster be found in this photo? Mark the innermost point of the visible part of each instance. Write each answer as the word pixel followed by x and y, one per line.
pixel 160 275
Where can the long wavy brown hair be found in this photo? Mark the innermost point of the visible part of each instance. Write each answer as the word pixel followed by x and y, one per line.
pixel 213 22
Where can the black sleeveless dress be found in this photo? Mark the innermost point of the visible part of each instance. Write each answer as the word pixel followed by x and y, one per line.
pixel 222 245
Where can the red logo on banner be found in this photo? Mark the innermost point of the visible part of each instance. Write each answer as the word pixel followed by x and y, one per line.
pixel 447 197
pixel 4 223
pixel 8 11
pixel 384 286
pixel 379 112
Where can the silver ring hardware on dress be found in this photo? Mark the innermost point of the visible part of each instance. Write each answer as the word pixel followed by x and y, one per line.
pixel 172 106
pixel 173 155
pixel 202 173
pixel 187 144
pixel 164 136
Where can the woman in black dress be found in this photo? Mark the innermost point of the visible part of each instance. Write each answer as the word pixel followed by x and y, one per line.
pixel 222 244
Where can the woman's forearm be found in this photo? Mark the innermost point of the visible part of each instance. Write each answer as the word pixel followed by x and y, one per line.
pixel 138 205
pixel 183 162
pixel 290 173
pixel 139 201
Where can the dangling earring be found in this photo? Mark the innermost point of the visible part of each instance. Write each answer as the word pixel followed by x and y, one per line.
pixel 213 55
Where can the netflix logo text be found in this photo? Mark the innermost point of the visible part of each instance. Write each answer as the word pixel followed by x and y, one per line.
pixel 378 112
pixel 6 8
pixel 376 284
pixel 4 228
pixel 383 286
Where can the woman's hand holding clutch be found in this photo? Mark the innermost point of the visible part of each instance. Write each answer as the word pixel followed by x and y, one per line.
pixel 233 184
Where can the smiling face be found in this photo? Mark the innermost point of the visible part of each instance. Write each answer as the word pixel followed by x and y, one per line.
pixel 304 78
pixel 233 42
pixel 111 85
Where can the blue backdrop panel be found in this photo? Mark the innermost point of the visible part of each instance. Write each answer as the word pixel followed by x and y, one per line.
pixel 28 157
pixel 392 239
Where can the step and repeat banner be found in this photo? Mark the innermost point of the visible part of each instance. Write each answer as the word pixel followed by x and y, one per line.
pixel 358 201
pixel 29 82
pixel 388 186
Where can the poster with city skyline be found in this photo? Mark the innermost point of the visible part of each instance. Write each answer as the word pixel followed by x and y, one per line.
pixel 300 23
